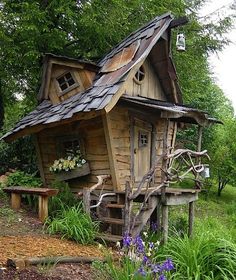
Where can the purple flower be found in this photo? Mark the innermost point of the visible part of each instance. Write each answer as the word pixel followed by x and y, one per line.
pixel 167 265
pixel 162 277
pixel 154 227
pixel 156 268
pixel 138 242
pixel 151 245
pixel 142 271
pixel 127 240
pixel 145 259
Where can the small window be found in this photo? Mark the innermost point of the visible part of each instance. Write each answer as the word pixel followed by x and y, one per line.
pixel 140 75
pixel 143 139
pixel 65 81
pixel 69 145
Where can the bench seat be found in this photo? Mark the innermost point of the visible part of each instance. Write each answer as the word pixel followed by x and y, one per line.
pixel 42 193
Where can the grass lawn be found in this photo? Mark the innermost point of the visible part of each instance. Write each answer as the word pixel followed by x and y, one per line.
pixel 212 213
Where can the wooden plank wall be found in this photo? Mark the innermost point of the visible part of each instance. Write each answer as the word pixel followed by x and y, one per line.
pixel 161 130
pixel 83 77
pixel 92 133
pixel 149 87
pixel 120 127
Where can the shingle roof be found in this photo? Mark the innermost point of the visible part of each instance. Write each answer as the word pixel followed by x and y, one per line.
pixel 106 84
pixel 182 112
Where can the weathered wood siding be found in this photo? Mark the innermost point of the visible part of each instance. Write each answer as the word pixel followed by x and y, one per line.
pixel 161 127
pixel 84 78
pixel 92 134
pixel 149 87
pixel 120 133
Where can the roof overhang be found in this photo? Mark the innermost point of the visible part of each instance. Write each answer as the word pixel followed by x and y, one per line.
pixel 172 111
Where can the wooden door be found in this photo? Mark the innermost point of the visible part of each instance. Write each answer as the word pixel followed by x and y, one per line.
pixel 142 149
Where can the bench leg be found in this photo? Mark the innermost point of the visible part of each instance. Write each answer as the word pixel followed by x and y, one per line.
pixel 15 201
pixel 43 208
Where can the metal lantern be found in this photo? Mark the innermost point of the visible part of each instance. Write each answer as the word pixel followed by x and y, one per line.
pixel 205 172
pixel 180 42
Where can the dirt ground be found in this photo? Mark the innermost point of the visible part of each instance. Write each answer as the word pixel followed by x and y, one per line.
pixel 22 236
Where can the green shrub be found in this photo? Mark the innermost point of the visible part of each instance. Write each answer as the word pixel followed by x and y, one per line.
pixel 64 197
pixel 73 224
pixel 20 178
pixel 19 154
pixel 203 257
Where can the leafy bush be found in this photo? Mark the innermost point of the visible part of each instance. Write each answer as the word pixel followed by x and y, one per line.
pixel 64 197
pixel 73 224
pixel 20 178
pixel 204 257
pixel 18 155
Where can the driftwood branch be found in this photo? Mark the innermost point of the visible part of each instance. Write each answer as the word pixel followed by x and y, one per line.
pixel 87 192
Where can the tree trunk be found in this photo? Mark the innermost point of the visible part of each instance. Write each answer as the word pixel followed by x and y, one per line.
pixel 221 185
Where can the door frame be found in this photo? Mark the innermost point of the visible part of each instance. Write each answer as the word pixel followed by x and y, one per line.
pixel 146 118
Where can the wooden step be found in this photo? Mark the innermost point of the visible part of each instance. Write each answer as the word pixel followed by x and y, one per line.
pixel 116 221
pixel 115 205
pixel 113 221
pixel 109 237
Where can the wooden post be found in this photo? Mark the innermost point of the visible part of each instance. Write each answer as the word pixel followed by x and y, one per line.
pixel 127 207
pixel 199 142
pixel 86 200
pixel 165 223
pixel 191 219
pixel 43 207
pixel 15 201
pixel 199 147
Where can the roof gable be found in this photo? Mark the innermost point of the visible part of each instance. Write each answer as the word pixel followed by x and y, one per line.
pixel 109 83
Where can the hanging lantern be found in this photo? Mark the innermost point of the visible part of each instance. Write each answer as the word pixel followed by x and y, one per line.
pixel 180 42
pixel 205 172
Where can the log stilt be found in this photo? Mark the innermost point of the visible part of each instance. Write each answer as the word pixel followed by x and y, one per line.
pixel 43 208
pixel 15 201
pixel 165 223
pixel 191 219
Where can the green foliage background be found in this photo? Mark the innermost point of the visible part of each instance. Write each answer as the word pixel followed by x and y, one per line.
pixel 88 29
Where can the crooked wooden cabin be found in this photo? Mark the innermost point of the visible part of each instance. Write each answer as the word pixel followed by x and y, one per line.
pixel 122 114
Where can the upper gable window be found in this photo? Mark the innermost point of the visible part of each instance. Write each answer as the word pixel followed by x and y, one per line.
pixel 140 75
pixel 65 81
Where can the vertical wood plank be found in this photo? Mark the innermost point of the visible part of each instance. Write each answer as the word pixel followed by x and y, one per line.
pixel 15 201
pixel 191 219
pixel 43 208
pixel 86 200
pixel 39 159
pixel 111 151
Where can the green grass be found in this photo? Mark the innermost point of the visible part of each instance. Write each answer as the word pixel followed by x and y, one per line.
pixel 73 224
pixel 207 256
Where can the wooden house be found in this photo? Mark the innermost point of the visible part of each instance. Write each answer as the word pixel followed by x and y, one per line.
pixel 122 114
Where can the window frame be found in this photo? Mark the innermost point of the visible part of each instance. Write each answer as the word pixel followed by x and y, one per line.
pixel 69 88
pixel 67 138
pixel 141 69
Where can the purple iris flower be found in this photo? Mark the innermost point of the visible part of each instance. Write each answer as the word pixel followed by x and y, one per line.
pixel 127 240
pixel 151 245
pixel 142 271
pixel 167 265
pixel 162 277
pixel 139 244
pixel 154 227
pixel 156 268
pixel 145 259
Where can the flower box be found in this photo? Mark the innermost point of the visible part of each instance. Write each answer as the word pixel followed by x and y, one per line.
pixel 74 173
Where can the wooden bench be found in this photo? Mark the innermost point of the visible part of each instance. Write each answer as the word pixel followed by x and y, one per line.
pixel 43 194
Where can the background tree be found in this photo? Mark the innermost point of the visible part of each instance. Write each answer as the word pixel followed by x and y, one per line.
pixel 90 28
